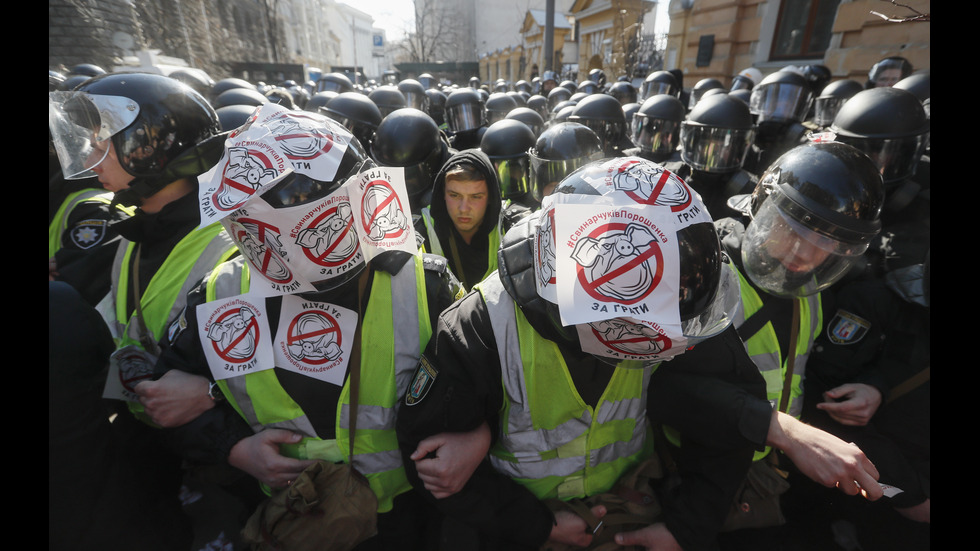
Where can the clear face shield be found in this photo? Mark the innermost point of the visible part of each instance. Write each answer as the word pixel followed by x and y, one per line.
pixel 656 136
pixel 712 149
pixel 826 108
pixel 513 176
pixel 81 126
pixel 779 102
pixel 609 132
pixel 789 259
pixel 896 158
pixel 464 116
pixel 652 88
pixel 546 174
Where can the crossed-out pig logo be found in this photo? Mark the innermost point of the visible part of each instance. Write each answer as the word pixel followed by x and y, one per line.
pixel 261 244
pixel 330 239
pixel 619 262
pixel 544 256
pixel 234 334
pixel 301 137
pixel 633 339
pixel 314 338
pixel 651 184
pixel 244 173
pixel 382 214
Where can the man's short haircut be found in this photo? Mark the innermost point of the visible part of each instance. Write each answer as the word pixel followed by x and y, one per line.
pixel 466 172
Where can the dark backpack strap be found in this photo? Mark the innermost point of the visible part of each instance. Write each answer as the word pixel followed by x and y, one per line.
pixel 756 321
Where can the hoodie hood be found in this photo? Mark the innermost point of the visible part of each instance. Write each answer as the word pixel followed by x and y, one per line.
pixel 437 208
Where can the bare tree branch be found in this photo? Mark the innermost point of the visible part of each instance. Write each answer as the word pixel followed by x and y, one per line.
pixel 919 16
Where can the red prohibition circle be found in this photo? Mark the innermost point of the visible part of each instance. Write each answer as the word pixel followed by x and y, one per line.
pixel 320 259
pixel 293 338
pixel 249 328
pixel 652 251
pixel 368 218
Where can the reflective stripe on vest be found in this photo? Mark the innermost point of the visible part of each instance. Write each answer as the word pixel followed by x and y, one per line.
pixel 493 243
pixel 763 348
pixel 389 355
pixel 552 442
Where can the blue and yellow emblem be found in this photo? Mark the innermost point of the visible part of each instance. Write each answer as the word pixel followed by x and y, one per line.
pixel 847 328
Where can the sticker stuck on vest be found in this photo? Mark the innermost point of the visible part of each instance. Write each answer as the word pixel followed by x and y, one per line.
pixel 847 328
pixel 425 375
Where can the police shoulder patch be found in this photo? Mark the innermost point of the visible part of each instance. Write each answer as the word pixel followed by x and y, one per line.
pixel 88 233
pixel 425 375
pixel 847 328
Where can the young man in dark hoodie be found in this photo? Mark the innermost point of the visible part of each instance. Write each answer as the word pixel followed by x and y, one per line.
pixel 462 223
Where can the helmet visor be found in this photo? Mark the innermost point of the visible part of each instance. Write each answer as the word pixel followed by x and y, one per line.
pixel 652 88
pixel 513 176
pixel 545 172
pixel 780 102
pixel 463 117
pixel 713 149
pixel 610 132
pixel 826 108
pixel 718 315
pixel 654 135
pixel 788 259
pixel 81 126
pixel 896 158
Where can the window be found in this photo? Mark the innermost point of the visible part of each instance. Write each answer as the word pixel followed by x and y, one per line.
pixel 803 28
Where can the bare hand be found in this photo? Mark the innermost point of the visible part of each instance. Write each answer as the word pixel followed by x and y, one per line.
pixel 52 269
pixel 175 399
pixel 572 529
pixel 860 403
pixel 457 455
pixel 259 456
pixel 823 457
pixel 655 537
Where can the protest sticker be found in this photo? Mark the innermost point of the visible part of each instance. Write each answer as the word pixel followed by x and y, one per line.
pixel 629 339
pixel 379 199
pixel 235 336
pixel 315 339
pixel 624 260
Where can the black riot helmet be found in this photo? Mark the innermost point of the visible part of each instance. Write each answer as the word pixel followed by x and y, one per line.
pixel 814 212
pixel 717 134
pixel 334 82
pixel 743 94
pixel 889 125
pixel 522 86
pixel 817 76
pixel 87 69
pixel 556 96
pixel 388 98
pixel 518 98
pixel 918 84
pixel 161 130
pixel 623 92
pixel 578 96
pixel 409 138
pixel 498 105
pixel 474 82
pixel 414 93
pixel 782 97
pixel 569 85
pixel 226 84
pixel 629 110
pixel 529 117
pixel 562 111
pixel 465 110
pixel 888 71
pixel 588 87
pixel 506 143
pixel 598 77
pixel 557 152
pixel 746 79
pixel 659 82
pixel 436 105
pixel 656 125
pixel 706 284
pixel 231 117
pixel 73 81
pixel 540 104
pixel 240 96
pixel 326 251
pixel 604 115
pixel 831 98
pixel 357 113
pixel 700 88
pixel 318 100
pixel 428 81
pixel 197 79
